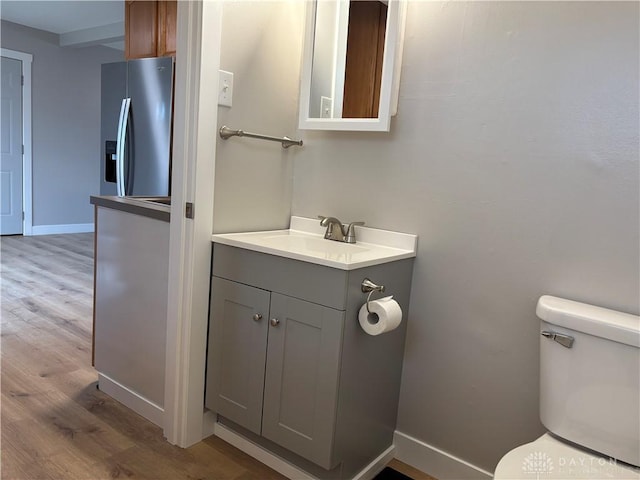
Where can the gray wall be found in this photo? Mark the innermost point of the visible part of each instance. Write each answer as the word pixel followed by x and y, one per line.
pixel 65 123
pixel 514 157
pixel 262 46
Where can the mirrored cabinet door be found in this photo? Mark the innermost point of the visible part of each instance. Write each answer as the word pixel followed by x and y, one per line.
pixel 351 64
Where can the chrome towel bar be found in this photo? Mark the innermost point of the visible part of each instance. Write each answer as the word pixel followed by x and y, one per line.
pixel 226 132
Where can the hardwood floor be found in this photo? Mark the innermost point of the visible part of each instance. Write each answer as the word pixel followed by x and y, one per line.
pixel 55 423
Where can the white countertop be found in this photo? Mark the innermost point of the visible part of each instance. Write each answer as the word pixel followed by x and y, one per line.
pixel 305 241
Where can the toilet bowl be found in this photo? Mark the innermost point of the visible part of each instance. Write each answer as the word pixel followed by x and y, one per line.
pixel 589 396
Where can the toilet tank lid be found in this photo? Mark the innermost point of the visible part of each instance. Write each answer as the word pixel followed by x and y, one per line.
pixel 601 322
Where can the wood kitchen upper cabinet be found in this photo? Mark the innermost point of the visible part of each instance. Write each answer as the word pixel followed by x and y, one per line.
pixel 150 28
pixel 168 19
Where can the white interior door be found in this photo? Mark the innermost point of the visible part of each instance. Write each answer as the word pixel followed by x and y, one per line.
pixel 11 147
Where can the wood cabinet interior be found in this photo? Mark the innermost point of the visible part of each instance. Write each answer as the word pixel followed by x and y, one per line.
pixel 150 28
pixel 365 51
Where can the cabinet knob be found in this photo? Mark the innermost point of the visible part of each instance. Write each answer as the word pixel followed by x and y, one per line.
pixel 274 322
pixel 257 317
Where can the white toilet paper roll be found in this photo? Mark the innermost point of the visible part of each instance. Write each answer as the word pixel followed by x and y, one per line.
pixel 385 316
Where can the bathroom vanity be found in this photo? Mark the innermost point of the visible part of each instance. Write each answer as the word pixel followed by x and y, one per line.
pixel 289 367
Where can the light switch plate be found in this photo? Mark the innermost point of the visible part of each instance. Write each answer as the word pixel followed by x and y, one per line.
pixel 225 94
pixel 326 107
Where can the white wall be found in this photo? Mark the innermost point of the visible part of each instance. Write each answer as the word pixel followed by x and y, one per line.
pixel 65 126
pixel 514 157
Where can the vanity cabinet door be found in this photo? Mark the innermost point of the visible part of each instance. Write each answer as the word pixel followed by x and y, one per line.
pixel 302 377
pixel 237 349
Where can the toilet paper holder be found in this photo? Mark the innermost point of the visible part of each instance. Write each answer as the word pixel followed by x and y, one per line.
pixel 369 287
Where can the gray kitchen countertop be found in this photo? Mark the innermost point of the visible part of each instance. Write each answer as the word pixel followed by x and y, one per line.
pixel 137 206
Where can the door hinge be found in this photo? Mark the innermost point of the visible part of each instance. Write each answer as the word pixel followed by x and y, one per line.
pixel 22 215
pixel 23 149
pixel 188 210
pixel 22 80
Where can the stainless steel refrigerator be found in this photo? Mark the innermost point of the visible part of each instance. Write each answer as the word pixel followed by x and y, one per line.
pixel 136 103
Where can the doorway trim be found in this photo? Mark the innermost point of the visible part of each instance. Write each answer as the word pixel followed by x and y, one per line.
pixel 192 181
pixel 27 180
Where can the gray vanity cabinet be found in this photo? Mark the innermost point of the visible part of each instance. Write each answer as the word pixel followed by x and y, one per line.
pixel 286 348
pixel 289 367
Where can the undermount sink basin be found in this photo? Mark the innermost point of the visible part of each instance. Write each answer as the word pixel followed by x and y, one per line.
pixel 305 241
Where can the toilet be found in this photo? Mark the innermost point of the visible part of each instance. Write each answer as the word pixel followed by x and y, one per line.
pixel 589 396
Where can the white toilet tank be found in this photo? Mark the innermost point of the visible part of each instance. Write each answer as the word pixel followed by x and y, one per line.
pixel 590 386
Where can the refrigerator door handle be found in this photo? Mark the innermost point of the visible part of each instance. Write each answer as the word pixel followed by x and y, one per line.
pixel 120 146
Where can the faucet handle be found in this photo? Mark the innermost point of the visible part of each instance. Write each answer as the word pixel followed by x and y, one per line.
pixel 350 236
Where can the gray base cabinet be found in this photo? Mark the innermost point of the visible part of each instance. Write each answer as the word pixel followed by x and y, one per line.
pixel 130 309
pixel 290 351
pixel 289 367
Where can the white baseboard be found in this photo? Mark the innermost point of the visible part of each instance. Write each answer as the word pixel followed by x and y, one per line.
pixel 56 229
pixel 131 399
pixel 287 469
pixel 434 461
pixel 260 454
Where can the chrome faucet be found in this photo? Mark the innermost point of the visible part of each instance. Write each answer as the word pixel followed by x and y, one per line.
pixel 337 231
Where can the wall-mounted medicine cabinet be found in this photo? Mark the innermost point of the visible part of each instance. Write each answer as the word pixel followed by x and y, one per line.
pixel 351 64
